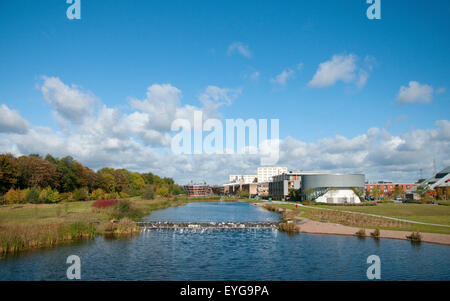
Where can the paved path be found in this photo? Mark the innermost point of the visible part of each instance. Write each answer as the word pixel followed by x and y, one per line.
pixel 362 213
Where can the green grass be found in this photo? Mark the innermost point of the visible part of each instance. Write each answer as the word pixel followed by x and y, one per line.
pixel 27 226
pixel 355 220
pixel 427 213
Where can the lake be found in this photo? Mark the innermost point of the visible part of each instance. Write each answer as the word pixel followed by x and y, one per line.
pixel 263 254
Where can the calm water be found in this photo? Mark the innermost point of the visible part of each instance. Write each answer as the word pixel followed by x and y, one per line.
pixel 231 254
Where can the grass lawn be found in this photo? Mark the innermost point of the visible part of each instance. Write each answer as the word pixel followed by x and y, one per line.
pixel 39 214
pixel 419 212
pixel 428 213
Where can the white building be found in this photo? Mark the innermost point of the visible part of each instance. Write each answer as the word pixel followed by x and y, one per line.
pixel 265 174
pixel 247 179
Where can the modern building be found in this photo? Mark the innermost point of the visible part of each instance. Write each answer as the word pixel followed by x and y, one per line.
pixel 266 173
pixel 332 188
pixel 387 188
pixel 438 185
pixel 251 189
pixel 281 184
pixel 263 190
pixel 231 188
pixel 197 190
pixel 218 190
pixel 242 178
pixel 441 179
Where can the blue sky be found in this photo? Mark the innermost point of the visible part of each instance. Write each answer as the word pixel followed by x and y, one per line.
pixel 120 48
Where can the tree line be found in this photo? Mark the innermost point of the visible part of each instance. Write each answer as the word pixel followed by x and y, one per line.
pixel 34 179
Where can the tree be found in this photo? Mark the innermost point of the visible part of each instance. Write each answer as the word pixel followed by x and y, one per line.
pixel 149 192
pixel 398 191
pixel 67 175
pixel 376 192
pixel 107 182
pixel 163 191
pixel 293 194
pixel 9 172
pixel 121 178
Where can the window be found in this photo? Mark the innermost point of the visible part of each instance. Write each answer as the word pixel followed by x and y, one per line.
pixel 441 175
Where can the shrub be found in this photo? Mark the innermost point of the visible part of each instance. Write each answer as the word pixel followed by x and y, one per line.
pixel 32 196
pixel 53 196
pixel 12 196
pixel 415 237
pixel 376 233
pixel 149 192
pixel 98 194
pixel 66 197
pixel 100 204
pixel 81 195
pixel 125 209
pixel 288 227
pixel 48 195
pixel 162 191
pixel 361 233
pixel 111 195
pixel 126 226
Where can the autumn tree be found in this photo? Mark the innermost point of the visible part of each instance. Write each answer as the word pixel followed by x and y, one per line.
pixel 9 172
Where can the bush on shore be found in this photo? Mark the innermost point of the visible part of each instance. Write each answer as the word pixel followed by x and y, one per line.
pixel 375 233
pixel 415 237
pixel 288 227
pixel 361 233
pixel 123 209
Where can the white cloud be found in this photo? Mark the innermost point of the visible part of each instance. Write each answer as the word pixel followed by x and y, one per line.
pixel 376 153
pixel 363 76
pixel 340 67
pixel 69 103
pixel 109 137
pixel 11 121
pixel 160 104
pixel 283 77
pixel 240 48
pixel 214 94
pixel 415 93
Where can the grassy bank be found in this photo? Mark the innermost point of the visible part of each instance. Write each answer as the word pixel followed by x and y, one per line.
pixel 28 226
pixel 421 213
pixel 427 213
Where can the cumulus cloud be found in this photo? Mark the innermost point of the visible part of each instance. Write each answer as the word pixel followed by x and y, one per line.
pixel 282 78
pixel 415 93
pixel 69 102
pixel 160 104
pixel 342 68
pixel 376 153
pixel 109 137
pixel 241 48
pixel 11 121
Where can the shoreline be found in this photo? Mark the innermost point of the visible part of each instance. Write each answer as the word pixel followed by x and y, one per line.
pixel 315 227
pixel 306 225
